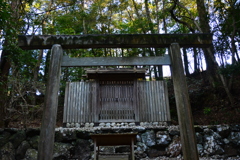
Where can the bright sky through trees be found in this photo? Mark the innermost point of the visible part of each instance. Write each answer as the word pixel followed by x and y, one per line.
pixel 78 17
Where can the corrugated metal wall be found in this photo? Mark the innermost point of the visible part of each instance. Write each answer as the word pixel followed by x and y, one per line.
pixel 81 100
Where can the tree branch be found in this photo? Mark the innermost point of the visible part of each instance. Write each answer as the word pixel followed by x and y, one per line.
pixel 172 8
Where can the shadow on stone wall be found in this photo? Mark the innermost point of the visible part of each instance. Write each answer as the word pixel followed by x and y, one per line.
pixel 158 142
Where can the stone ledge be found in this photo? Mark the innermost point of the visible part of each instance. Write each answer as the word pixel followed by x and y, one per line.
pixel 162 142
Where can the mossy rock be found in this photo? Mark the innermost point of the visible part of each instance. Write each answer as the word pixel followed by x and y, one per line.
pixel 34 142
pixel 4 138
pixel 18 138
pixel 7 152
pixel 61 150
pixel 31 154
pixel 22 149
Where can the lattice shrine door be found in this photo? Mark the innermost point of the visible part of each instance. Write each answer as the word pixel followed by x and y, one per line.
pixel 116 101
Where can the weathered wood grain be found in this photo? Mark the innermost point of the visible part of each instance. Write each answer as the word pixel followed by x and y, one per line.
pixel 113 41
pixel 136 108
pixel 66 101
pixel 153 105
pixel 187 132
pixel 116 101
pixel 115 61
pixel 145 102
pixel 45 146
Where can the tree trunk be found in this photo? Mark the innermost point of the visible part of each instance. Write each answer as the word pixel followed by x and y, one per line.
pixel 195 60
pixel 46 66
pixel 185 61
pixel 157 18
pixel 37 66
pixel 139 16
pixel 164 20
pixel 5 64
pixel 150 24
pixel 4 71
pixel 234 52
pixel 211 65
pixel 35 76
pixel 160 72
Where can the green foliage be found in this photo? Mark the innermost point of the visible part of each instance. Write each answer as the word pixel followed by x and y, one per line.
pixel 107 17
pixel 229 15
pixel 207 110
pixel 230 69
pixel 4 15
pixel 20 96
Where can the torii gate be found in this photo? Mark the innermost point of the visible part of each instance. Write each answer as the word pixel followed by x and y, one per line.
pixel 172 41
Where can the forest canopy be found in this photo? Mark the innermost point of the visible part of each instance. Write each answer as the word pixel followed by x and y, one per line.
pixel 23 74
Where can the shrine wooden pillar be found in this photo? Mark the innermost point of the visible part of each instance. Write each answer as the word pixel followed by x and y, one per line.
pixel 187 132
pixel 31 42
pixel 46 142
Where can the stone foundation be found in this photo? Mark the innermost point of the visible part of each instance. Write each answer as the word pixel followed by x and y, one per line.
pixel 154 141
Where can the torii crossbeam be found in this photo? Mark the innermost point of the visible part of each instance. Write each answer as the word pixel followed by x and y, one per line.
pixel 114 41
pixel 172 41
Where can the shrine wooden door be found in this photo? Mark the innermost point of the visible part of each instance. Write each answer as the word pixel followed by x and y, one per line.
pixel 116 101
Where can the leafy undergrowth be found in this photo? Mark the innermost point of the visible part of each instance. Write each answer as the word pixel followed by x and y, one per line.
pixel 209 106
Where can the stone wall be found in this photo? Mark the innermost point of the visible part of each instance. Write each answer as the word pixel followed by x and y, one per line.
pixel 153 142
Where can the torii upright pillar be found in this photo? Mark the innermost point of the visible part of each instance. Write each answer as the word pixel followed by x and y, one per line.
pixel 46 142
pixel 30 42
pixel 187 132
